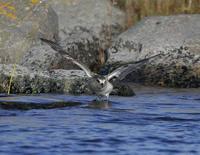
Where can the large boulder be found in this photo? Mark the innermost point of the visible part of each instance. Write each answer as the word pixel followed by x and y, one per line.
pixel 86 29
pixel 178 37
pixel 99 17
pixel 22 22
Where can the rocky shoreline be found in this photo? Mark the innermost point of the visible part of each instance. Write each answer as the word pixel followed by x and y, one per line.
pixel 95 36
pixel 175 36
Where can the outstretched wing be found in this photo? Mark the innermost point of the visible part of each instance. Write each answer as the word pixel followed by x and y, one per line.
pixel 59 49
pixel 127 68
pixel 83 67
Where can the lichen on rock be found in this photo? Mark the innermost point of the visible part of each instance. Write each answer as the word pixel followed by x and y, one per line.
pixel 177 37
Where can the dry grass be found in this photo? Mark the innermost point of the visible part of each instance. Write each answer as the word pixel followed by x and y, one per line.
pixel 11 79
pixel 137 9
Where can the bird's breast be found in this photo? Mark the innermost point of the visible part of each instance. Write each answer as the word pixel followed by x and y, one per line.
pixel 97 88
pixel 94 85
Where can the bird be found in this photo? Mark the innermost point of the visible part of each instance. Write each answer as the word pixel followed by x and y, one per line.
pixel 100 84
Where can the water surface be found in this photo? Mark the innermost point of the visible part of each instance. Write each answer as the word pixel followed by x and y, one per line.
pixel 155 121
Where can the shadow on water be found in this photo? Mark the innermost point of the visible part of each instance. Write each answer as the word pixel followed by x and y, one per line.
pixel 97 104
pixel 20 102
pixel 49 101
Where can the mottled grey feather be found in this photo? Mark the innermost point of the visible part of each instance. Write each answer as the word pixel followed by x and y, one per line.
pixel 59 49
pixel 127 68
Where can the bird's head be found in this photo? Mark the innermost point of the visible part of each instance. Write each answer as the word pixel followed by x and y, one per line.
pixel 101 81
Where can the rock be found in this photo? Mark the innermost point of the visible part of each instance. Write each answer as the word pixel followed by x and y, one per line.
pixel 32 82
pixel 21 24
pixel 73 81
pixel 95 16
pixel 176 36
pixel 41 58
pixel 83 47
pixel 85 37
pixel 35 102
pixel 54 81
pixel 122 89
pixel 86 28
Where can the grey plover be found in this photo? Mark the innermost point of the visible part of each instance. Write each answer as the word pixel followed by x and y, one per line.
pixel 100 84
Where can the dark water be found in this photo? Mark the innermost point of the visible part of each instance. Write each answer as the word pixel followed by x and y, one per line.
pixel 153 122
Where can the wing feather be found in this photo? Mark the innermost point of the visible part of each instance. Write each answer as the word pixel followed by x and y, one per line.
pixel 127 68
pixel 59 49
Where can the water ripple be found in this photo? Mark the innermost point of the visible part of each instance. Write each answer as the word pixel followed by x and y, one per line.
pixel 150 123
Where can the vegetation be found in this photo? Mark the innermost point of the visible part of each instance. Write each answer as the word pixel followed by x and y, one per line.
pixel 137 9
pixel 11 78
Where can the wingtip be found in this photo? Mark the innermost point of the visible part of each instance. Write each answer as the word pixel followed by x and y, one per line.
pixel 45 40
pixel 42 39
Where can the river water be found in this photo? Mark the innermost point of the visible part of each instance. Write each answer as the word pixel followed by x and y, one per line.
pixel 155 121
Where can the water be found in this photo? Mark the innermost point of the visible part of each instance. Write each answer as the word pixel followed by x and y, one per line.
pixel 156 121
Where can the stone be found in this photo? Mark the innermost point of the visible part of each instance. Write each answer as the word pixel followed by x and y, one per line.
pixel 86 29
pixel 26 81
pixel 41 57
pixel 178 37
pixel 93 15
pixel 85 37
pixel 84 47
pixel 27 102
pixel 22 22
pixel 73 81
pixel 32 82
pixel 122 89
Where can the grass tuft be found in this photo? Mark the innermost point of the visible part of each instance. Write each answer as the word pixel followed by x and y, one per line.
pixel 11 78
pixel 138 9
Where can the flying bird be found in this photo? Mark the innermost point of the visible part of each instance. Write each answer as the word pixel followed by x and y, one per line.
pixel 100 84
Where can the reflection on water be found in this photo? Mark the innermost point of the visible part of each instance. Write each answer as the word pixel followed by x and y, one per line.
pixel 95 104
pixel 155 121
